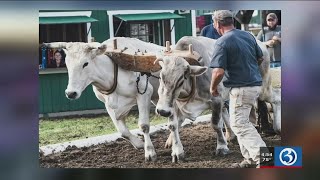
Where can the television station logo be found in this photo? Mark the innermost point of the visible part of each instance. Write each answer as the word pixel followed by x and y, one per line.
pixel 281 157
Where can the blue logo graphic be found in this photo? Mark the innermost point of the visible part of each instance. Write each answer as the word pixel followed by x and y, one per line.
pixel 288 156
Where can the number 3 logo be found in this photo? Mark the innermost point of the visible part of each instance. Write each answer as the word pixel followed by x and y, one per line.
pixel 288 156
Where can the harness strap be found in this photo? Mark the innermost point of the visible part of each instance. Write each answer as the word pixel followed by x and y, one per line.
pixel 193 90
pixel 115 83
pixel 137 81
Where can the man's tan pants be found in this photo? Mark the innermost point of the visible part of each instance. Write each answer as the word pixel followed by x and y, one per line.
pixel 241 101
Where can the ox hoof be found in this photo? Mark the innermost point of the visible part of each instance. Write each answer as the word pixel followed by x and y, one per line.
pixel 150 158
pixel 178 158
pixel 222 152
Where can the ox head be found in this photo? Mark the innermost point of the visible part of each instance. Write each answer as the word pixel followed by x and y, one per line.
pixel 174 73
pixel 80 63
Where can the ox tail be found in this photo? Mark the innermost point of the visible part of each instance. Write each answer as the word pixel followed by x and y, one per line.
pixel 263 119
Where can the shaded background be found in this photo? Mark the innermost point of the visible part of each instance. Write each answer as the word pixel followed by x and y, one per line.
pixel 19 90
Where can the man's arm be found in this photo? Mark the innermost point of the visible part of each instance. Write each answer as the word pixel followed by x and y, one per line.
pixel 216 77
pixel 219 64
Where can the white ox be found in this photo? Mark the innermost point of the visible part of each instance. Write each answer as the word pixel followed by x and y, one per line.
pixel 87 64
pixel 176 75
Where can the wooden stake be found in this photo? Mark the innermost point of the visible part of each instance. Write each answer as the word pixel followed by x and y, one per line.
pixel 115 44
pixel 190 49
pixel 168 46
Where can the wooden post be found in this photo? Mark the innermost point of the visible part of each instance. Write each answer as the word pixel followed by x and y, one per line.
pixel 168 46
pixel 115 44
pixel 190 49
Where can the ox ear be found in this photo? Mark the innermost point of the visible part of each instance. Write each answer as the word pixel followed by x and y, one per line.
pixel 101 49
pixel 65 51
pixel 197 70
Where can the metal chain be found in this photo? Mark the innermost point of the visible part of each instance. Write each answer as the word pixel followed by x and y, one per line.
pixel 154 76
pixel 145 89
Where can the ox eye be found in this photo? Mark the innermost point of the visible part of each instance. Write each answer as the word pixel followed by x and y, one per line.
pixel 85 64
pixel 180 84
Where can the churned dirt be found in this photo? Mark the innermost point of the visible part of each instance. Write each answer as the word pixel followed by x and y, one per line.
pixel 198 140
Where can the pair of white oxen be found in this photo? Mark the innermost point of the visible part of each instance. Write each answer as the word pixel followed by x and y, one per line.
pixel 88 64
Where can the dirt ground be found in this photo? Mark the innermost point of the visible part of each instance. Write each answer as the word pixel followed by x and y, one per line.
pixel 198 140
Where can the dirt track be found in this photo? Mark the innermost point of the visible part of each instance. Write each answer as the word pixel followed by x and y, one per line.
pixel 198 140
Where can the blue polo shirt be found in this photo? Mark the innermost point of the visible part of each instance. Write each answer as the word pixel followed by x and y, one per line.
pixel 210 32
pixel 237 53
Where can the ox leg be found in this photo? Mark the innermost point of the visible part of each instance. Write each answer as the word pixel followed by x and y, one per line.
pixel 177 148
pixel 276 106
pixel 231 137
pixel 122 128
pixel 169 140
pixel 144 103
pixel 217 124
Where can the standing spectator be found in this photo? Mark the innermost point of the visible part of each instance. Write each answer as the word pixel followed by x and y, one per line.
pixel 271 36
pixel 209 31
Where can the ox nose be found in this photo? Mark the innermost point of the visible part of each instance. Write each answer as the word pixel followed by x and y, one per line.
pixel 71 95
pixel 164 113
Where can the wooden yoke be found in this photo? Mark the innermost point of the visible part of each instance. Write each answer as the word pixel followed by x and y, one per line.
pixel 144 62
pixel 191 56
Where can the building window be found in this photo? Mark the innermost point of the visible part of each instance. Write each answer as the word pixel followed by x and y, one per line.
pixel 55 58
pixel 63 32
pixel 141 31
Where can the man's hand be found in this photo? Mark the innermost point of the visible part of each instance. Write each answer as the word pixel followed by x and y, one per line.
pixel 275 38
pixel 217 75
pixel 214 92
pixel 270 43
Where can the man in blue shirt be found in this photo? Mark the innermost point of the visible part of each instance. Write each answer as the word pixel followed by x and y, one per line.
pixel 210 32
pixel 237 56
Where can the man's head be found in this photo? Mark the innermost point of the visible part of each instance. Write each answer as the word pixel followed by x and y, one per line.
pixel 272 20
pixel 223 20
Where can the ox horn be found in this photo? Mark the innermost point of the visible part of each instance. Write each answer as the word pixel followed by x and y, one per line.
pixel 157 60
pixel 55 45
pixel 96 45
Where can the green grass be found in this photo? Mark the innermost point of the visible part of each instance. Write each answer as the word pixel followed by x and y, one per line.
pixel 60 130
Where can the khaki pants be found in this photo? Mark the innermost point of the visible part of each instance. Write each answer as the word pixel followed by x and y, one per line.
pixel 242 100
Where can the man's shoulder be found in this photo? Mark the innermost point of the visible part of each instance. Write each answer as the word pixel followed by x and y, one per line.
pixel 233 33
pixel 205 30
pixel 207 27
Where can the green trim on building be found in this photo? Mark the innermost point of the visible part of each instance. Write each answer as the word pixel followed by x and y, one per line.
pixel 100 29
pixel 52 97
pixel 183 26
pixel 148 16
pixel 66 20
